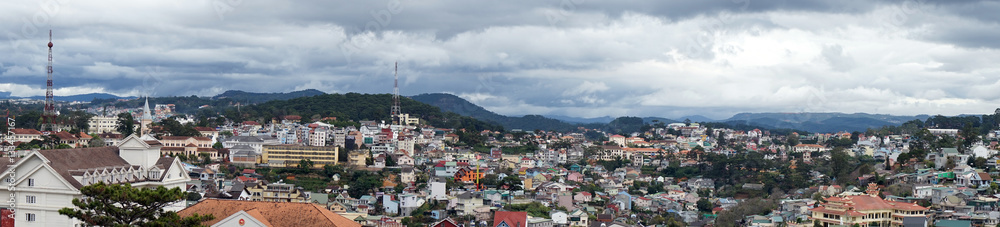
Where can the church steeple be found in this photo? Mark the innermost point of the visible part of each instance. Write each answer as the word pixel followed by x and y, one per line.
pixel 145 111
pixel 147 118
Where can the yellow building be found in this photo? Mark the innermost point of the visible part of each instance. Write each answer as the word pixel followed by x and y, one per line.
pixel 358 158
pixel 291 155
pixel 865 210
pixel 276 192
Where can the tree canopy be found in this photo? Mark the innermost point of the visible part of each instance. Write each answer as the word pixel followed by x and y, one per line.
pixel 126 124
pixel 123 205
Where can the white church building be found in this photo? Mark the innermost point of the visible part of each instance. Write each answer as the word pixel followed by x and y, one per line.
pixel 48 180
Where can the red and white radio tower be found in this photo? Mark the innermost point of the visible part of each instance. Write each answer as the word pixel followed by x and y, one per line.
pixel 49 116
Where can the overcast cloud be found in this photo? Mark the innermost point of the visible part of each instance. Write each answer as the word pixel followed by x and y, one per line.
pixel 578 58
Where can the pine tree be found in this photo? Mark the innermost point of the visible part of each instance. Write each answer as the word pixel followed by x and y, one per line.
pixel 122 205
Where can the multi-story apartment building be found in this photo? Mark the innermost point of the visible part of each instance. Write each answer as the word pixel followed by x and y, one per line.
pixel 103 124
pixel 255 142
pixel 291 155
pixel 319 136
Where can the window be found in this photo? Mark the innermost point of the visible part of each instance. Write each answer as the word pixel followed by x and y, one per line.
pixel 31 182
pixel 29 199
pixel 30 216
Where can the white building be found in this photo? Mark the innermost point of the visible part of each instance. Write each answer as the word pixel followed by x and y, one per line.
pixel 255 142
pixel 49 180
pixel 319 136
pixel 102 124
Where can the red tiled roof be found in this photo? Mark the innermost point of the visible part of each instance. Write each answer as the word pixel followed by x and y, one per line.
pixel 25 131
pixel 109 135
pixel 512 218
pixel 200 138
pixel 204 129
pixel 65 136
pixel 276 213
pixel 867 202
pixel 985 176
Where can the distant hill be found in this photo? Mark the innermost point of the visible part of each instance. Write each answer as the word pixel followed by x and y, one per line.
pixel 822 122
pixel 79 98
pixel 568 119
pixel 654 120
pixel 251 97
pixel 356 107
pixel 455 104
pixel 191 104
pixel 696 118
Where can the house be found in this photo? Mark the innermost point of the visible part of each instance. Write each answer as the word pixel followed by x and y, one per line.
pixel 579 217
pixel 407 176
pixel 243 155
pixel 358 158
pixel 467 203
pixel 701 183
pixel 389 205
pixel 408 203
pixel 48 180
pixel 24 135
pixel 973 179
pixel 468 175
pixel 539 222
pixel 79 140
pixel 483 213
pixel 277 192
pixel 447 222
pixel 111 139
pixel 560 218
pixel 864 209
pixel 510 219
pixel 575 176
pixel 187 145
pixel 207 132
pixel 617 139
pixel 642 203
pixel 451 138
pixel 583 197
pixel 405 160
pixel 809 148
pixel 274 213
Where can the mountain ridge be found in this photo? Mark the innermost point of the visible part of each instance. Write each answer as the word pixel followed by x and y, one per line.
pixel 811 122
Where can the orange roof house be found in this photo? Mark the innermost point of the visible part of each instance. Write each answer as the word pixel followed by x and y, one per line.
pixel 469 175
pixel 274 213
pixel 862 209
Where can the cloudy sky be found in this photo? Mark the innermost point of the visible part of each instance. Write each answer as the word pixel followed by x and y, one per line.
pixel 579 58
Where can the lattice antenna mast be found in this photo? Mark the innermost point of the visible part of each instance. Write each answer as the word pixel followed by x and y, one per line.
pixel 395 96
pixel 49 116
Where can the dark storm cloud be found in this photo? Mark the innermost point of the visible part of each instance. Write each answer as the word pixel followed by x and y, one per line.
pixel 568 57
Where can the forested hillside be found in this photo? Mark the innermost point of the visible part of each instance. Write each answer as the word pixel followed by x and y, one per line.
pixel 354 107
